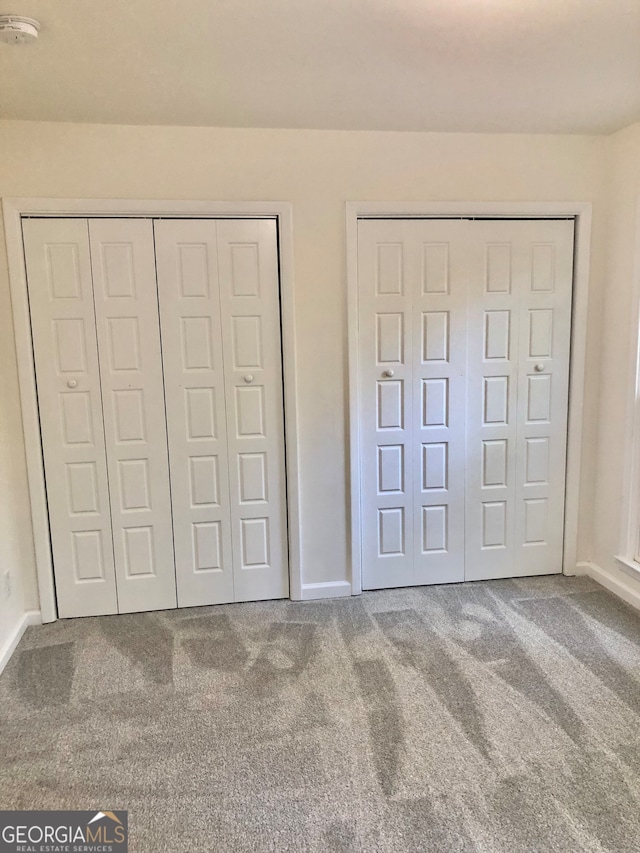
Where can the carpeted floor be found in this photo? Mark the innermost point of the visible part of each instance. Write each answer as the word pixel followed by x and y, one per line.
pixel 496 716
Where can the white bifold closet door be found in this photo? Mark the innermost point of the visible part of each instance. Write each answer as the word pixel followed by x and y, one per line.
pixel 162 419
pixel 519 321
pixel 65 349
pixel 96 338
pixel 412 362
pixel 464 338
pixel 218 284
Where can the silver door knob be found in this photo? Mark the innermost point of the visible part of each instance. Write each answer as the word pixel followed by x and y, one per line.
pixel 72 383
pixel 248 379
pixel 388 373
pixel 539 368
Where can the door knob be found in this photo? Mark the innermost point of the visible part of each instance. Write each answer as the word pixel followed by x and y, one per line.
pixel 539 368
pixel 248 379
pixel 72 383
pixel 388 373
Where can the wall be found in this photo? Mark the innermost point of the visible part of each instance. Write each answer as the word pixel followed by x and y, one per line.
pixel 16 551
pixel 317 171
pixel 620 323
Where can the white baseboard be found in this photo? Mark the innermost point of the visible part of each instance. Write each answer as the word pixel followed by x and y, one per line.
pixel 616 580
pixel 330 589
pixel 31 617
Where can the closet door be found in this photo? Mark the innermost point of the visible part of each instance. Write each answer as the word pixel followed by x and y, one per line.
pixel 388 269
pixel 69 401
pixel 250 309
pixel 438 390
pixel 188 286
pixel 494 276
pixel 218 286
pixel 543 396
pixel 518 379
pixel 126 308
pixel 464 338
pixel 412 288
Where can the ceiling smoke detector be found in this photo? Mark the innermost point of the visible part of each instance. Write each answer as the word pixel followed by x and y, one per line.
pixel 14 29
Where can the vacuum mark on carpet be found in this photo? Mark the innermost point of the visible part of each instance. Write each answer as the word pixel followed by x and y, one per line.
pixel 44 675
pixel 353 621
pixel 386 726
pixel 218 646
pixel 339 837
pixel 144 641
pixel 561 621
pixel 422 649
pixel 289 649
pixel 611 612
pixel 423 827
pixel 491 636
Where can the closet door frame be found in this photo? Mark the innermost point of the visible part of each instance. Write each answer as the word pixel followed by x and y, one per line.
pixel 581 213
pixel 14 211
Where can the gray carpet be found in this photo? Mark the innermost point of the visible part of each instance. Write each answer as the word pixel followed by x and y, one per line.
pixel 497 716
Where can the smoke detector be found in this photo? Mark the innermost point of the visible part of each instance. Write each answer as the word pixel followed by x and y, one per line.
pixel 14 29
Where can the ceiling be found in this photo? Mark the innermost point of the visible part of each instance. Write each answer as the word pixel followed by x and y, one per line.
pixel 560 66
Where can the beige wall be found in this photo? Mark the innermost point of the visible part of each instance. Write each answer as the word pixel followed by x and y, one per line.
pixel 317 171
pixel 620 322
pixel 16 550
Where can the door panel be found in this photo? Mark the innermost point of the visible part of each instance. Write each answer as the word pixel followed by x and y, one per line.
pixel 437 384
pixel 219 307
pixel 387 264
pixel 412 356
pixel 545 322
pixel 69 401
pixel 250 310
pixel 188 287
pixel 494 276
pixel 126 306
pixel 515 526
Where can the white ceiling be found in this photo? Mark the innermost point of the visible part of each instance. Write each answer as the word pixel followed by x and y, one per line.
pixel 567 66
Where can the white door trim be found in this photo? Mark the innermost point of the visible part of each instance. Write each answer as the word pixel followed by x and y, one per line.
pixel 14 209
pixel 581 212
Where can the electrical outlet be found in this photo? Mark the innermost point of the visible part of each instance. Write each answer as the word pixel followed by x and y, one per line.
pixel 7 584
